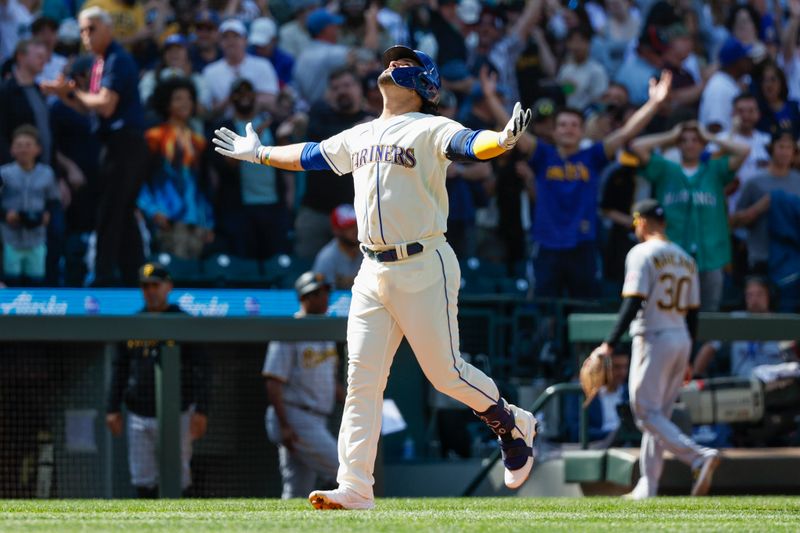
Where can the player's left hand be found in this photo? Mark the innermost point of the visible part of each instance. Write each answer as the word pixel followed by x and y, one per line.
pixel 233 145
pixel 517 125
pixel 198 425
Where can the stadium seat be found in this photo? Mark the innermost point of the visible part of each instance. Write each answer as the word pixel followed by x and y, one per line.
pixel 282 270
pixel 184 272
pixel 230 271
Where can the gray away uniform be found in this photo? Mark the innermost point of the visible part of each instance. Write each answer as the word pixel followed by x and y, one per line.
pixel 666 277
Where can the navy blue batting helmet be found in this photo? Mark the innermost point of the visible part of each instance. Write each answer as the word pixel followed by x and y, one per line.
pixel 423 79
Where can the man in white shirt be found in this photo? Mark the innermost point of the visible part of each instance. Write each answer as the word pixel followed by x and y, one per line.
pixel 745 117
pixel 237 63
pixel 716 103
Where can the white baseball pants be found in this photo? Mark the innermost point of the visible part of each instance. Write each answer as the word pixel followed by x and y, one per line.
pixel 143 446
pixel 657 368
pixel 416 297
pixel 314 454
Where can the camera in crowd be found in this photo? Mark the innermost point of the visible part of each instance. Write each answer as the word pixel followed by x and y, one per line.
pixel 31 219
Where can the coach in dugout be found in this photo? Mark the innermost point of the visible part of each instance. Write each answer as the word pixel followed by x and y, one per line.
pixel 133 382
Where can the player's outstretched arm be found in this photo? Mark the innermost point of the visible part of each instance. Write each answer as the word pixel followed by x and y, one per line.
pixel 481 145
pixel 249 148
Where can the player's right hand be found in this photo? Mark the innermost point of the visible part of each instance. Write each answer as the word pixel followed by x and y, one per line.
pixel 243 148
pixel 114 423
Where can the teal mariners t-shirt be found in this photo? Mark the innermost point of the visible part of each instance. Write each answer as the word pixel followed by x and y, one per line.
pixel 694 206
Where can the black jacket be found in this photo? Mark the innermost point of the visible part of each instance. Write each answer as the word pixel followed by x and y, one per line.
pixel 133 376
pixel 14 112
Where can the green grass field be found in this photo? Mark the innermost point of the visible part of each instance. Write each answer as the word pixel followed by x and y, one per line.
pixel 499 515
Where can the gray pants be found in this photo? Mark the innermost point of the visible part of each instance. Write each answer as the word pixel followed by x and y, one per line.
pixel 143 446
pixel 314 456
pixel 711 284
pixel 657 367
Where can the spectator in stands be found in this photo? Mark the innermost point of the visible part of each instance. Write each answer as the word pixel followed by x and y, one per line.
pixel 174 63
pixel 15 19
pixel 252 201
pixel 73 134
pixel 302 387
pixel 360 25
pixel 501 46
pixel 293 35
pixel 716 103
pixel 132 26
pixel 745 117
pixel 582 79
pixel 174 196
pixel 321 56
pixel 114 98
pixel 779 175
pixel 639 67
pixel 29 194
pixel 22 101
pixel 45 31
pixel 778 112
pixel 746 355
pixel 686 87
pixel 263 41
pixel 611 43
pixel 205 48
pixel 340 259
pixel 565 218
pixel 133 382
pixel 237 63
pixel 783 212
pixel 692 193
pixel 620 191
pixel 326 190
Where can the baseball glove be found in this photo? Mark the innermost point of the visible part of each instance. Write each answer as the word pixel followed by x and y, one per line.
pixel 595 372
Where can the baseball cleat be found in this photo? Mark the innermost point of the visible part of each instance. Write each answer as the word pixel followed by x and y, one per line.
pixel 702 483
pixel 326 500
pixel 518 453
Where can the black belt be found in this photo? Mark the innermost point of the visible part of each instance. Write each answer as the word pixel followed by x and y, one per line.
pixel 389 256
pixel 306 409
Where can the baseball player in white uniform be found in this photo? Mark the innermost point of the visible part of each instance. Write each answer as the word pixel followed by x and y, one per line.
pixel 661 296
pixel 302 387
pixel 409 278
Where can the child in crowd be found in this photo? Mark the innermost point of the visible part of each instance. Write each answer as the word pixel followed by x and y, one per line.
pixel 28 195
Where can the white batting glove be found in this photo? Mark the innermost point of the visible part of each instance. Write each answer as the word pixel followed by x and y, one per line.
pixel 516 127
pixel 247 148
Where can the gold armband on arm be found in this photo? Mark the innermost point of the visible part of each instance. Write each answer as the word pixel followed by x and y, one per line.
pixel 486 145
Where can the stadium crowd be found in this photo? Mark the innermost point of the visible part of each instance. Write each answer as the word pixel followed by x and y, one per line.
pixel 105 120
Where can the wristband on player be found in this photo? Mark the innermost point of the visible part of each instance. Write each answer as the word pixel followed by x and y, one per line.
pixel 263 154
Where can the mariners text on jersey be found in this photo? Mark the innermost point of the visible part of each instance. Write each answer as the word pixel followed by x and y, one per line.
pixel 384 153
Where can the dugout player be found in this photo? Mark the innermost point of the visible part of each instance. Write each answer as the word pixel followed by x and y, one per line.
pixel 409 278
pixel 133 382
pixel 301 388
pixel 661 296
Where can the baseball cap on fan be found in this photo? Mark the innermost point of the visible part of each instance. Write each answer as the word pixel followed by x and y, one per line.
pixel 733 50
pixel 309 282
pixel 321 18
pixel 262 31
pixel 344 216
pixel 235 26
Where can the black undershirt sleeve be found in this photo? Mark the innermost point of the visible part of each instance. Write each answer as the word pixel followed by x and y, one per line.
pixel 627 312
pixel 691 322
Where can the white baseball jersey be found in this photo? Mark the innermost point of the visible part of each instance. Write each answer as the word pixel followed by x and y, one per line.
pixel 309 371
pixel 398 167
pixel 666 277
